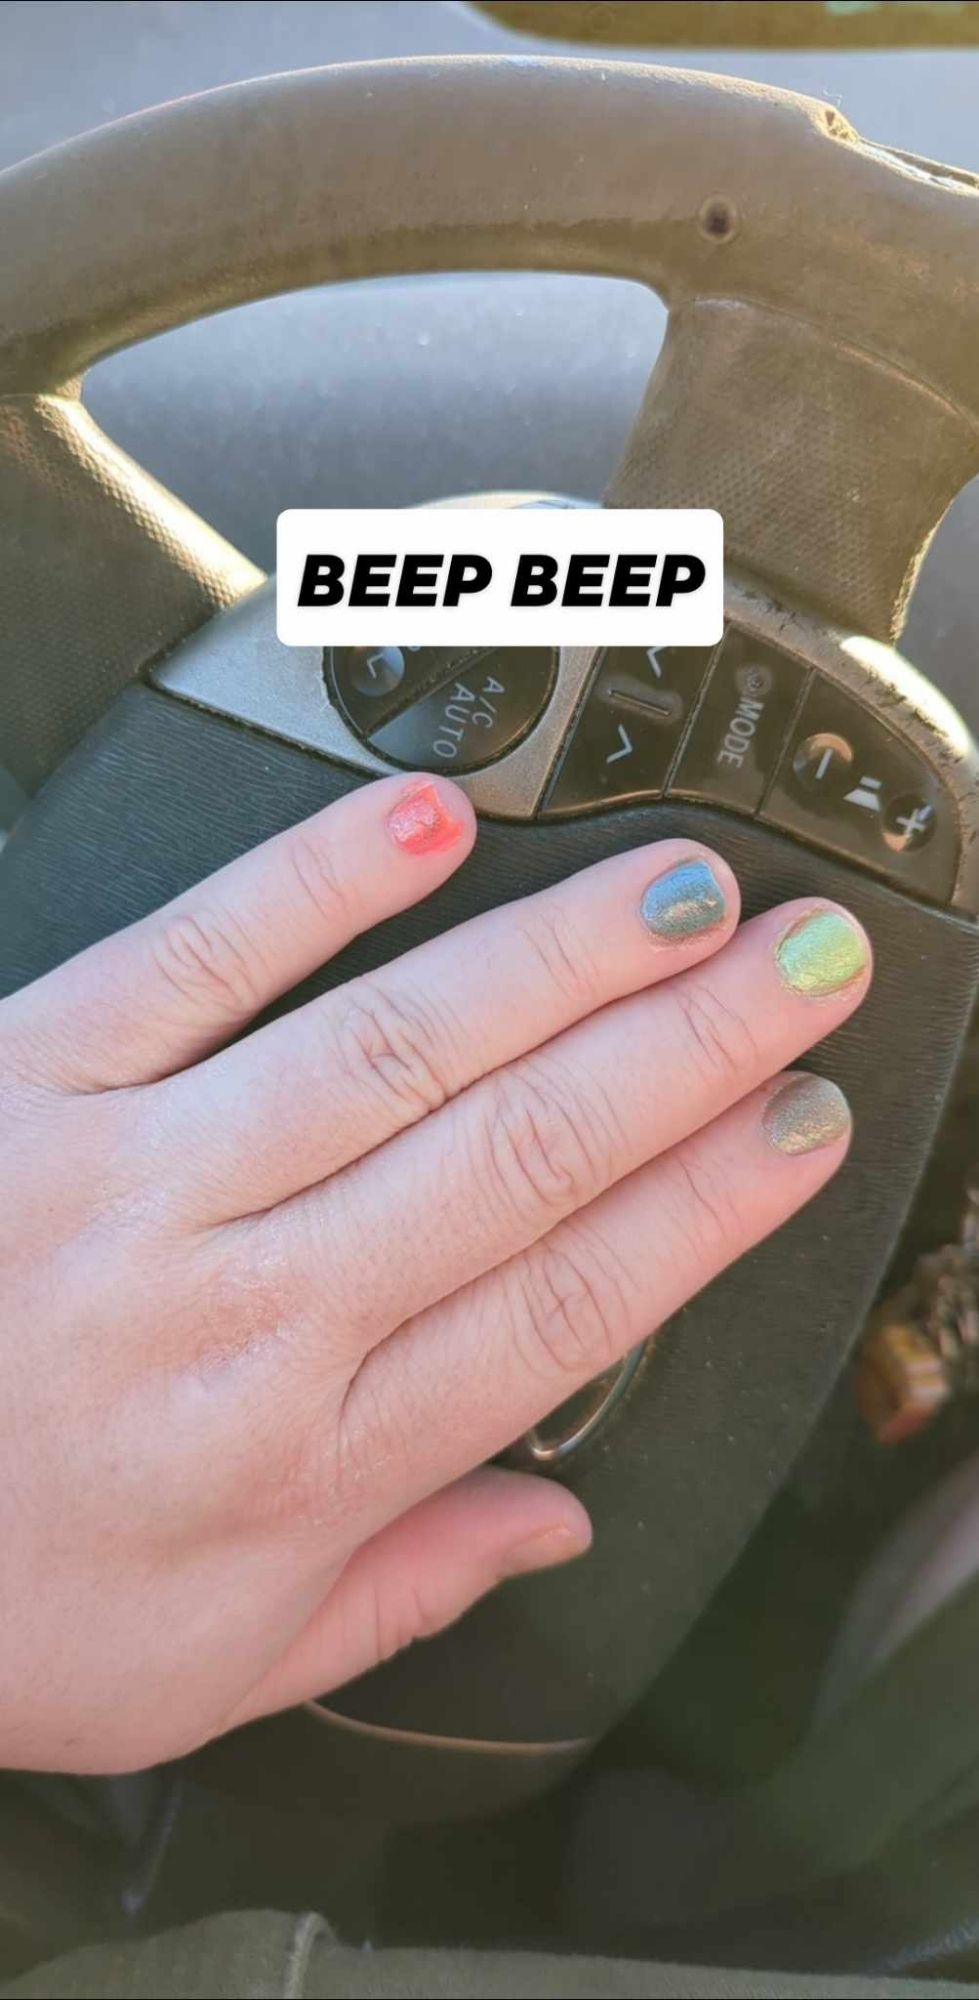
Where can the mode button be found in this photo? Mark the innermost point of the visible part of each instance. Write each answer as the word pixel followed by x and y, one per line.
pixel 741 724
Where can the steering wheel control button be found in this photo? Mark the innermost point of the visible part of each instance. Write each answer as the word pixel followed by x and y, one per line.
pixel 822 764
pixel 625 739
pixel 369 683
pixel 908 822
pixel 846 781
pixel 741 724
pixel 474 716
pixel 377 673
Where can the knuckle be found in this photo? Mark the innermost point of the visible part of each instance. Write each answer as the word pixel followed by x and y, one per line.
pixel 544 1145
pixel 206 958
pixel 704 1208
pixel 560 951
pixel 319 876
pixel 22 1055
pixel 391 1045
pixel 308 1254
pixel 573 1312
pixel 294 1473
pixel 719 1040
pixel 373 1432
pixel 299 1484
pixel 29 1075
pixel 404 1613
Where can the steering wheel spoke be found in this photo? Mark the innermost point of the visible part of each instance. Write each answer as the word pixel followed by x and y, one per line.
pixel 104 572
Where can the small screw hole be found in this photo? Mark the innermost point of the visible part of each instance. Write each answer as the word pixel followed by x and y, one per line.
pixel 718 220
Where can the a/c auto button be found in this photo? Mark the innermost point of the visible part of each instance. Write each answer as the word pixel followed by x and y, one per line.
pixel 475 715
pixel 369 683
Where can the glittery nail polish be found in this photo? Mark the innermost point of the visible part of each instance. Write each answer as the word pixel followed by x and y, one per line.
pixel 684 902
pixel 804 1113
pixel 821 953
pixel 421 822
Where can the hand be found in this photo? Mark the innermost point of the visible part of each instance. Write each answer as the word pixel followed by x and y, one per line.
pixel 267 1302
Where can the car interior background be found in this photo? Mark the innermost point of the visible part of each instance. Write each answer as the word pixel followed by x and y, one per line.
pixel 796 1784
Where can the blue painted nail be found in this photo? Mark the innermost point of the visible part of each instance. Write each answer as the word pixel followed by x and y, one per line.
pixel 684 902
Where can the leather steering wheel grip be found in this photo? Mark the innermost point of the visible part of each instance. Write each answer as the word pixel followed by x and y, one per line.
pixel 817 384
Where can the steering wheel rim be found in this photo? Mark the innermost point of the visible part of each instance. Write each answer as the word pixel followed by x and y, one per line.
pixel 686 183
pixel 691 184
pixel 647 173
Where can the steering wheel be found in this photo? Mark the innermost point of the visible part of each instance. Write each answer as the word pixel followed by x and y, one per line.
pixel 818 387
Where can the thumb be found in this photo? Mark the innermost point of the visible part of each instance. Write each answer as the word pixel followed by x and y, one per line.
pixel 420 1574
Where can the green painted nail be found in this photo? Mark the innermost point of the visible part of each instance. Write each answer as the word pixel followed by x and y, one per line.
pixel 821 953
pixel 804 1113
pixel 683 902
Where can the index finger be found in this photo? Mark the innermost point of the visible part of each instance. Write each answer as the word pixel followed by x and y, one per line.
pixel 169 989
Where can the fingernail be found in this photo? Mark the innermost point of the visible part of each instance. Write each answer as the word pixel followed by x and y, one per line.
pixel 804 1113
pixel 546 1550
pixel 421 822
pixel 686 900
pixel 821 952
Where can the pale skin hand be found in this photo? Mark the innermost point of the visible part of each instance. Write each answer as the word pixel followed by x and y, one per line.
pixel 268 1303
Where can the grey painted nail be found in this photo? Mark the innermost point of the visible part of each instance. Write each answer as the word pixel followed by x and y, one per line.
pixel 804 1113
